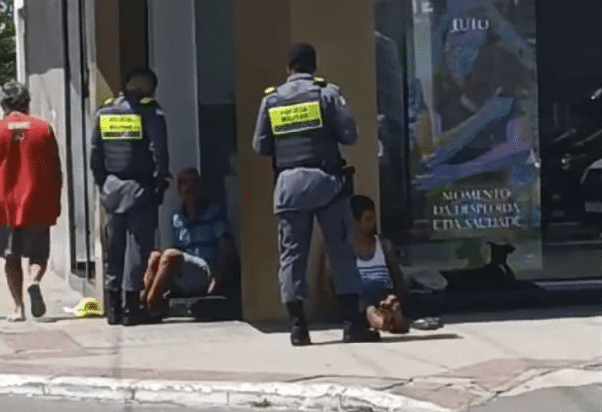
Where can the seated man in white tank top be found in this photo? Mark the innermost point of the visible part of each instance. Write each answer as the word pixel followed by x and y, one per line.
pixel 379 267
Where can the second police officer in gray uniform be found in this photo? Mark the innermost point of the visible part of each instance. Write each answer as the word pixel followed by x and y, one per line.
pixel 300 125
pixel 130 162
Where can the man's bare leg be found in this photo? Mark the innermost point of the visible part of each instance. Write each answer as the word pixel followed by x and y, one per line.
pixel 169 265
pixel 150 275
pixel 36 273
pixel 14 279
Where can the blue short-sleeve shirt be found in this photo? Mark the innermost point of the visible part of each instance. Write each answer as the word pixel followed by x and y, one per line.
pixel 200 236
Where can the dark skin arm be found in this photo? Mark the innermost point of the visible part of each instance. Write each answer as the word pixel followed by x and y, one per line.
pixel 225 258
pixel 397 323
pixel 393 265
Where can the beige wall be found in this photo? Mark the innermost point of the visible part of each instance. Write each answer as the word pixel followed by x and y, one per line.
pixel 119 30
pixel 260 51
pixel 345 46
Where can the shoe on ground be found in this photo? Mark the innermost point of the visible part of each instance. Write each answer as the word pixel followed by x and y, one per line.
pixel 429 323
pixel 38 308
pixel 358 333
pixel 300 336
pixel 115 317
pixel 114 308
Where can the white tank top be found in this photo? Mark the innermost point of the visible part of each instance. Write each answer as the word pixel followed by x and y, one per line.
pixel 374 272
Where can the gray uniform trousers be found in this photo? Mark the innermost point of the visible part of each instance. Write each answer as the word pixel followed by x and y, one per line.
pixel 295 232
pixel 130 238
pixel 132 210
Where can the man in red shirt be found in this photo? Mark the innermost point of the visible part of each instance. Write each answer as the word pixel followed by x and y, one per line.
pixel 30 195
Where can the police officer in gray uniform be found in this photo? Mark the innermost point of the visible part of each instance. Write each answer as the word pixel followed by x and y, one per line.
pixel 300 125
pixel 130 162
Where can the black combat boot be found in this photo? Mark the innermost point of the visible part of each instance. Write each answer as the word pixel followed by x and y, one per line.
pixel 133 313
pixel 355 324
pixel 114 307
pixel 299 331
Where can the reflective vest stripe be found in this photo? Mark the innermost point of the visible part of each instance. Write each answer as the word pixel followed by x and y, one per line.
pixel 121 126
pixel 295 118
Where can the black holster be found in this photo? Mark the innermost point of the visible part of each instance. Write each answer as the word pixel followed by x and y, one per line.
pixel 348 183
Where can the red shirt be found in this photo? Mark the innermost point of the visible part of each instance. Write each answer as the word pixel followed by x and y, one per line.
pixel 30 172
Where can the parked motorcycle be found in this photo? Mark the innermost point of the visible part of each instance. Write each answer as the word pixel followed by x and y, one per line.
pixel 565 160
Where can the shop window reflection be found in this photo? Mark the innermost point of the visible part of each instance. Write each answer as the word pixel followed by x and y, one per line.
pixel 462 114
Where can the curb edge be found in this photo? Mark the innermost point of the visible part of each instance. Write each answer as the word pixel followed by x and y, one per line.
pixel 331 397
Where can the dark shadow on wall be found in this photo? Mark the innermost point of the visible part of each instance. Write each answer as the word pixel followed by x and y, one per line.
pixel 217 124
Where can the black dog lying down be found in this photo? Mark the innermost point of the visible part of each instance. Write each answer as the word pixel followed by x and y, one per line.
pixel 494 276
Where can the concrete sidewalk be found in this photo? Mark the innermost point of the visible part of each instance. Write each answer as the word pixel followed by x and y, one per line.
pixel 469 362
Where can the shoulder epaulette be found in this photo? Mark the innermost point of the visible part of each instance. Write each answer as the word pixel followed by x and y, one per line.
pixel 147 100
pixel 109 101
pixel 320 81
pixel 269 90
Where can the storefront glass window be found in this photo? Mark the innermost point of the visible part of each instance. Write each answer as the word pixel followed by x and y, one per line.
pixel 462 176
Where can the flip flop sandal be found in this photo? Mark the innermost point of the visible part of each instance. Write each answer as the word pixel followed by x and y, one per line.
pixel 426 324
pixel 13 317
pixel 38 308
pixel 436 322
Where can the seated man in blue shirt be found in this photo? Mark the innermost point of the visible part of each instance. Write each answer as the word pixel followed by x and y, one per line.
pixel 203 257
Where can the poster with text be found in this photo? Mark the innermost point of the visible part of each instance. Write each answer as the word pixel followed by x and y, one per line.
pixel 474 136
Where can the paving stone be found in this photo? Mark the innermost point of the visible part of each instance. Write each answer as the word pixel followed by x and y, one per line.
pixel 40 345
pixel 145 374
pixel 447 397
pixel 494 373
pixel 42 340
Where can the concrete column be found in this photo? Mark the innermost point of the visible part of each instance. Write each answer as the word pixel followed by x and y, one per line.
pixel 19 21
pixel 343 34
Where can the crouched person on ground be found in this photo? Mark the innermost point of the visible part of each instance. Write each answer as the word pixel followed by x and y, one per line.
pixel 203 259
pixel 383 283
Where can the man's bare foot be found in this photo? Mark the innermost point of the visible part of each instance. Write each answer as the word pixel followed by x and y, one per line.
pixel 18 315
pixel 389 303
pixel 375 318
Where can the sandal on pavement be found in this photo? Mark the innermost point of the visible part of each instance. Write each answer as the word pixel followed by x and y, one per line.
pixel 38 308
pixel 437 322
pixel 427 324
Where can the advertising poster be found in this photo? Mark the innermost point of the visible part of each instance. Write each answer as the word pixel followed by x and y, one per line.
pixel 474 162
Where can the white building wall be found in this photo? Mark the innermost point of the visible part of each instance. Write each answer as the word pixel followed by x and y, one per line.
pixel 40 63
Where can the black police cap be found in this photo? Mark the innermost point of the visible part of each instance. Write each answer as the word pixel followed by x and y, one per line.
pixel 144 72
pixel 302 56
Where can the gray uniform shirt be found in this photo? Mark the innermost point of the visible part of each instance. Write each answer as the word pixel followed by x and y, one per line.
pixel 306 188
